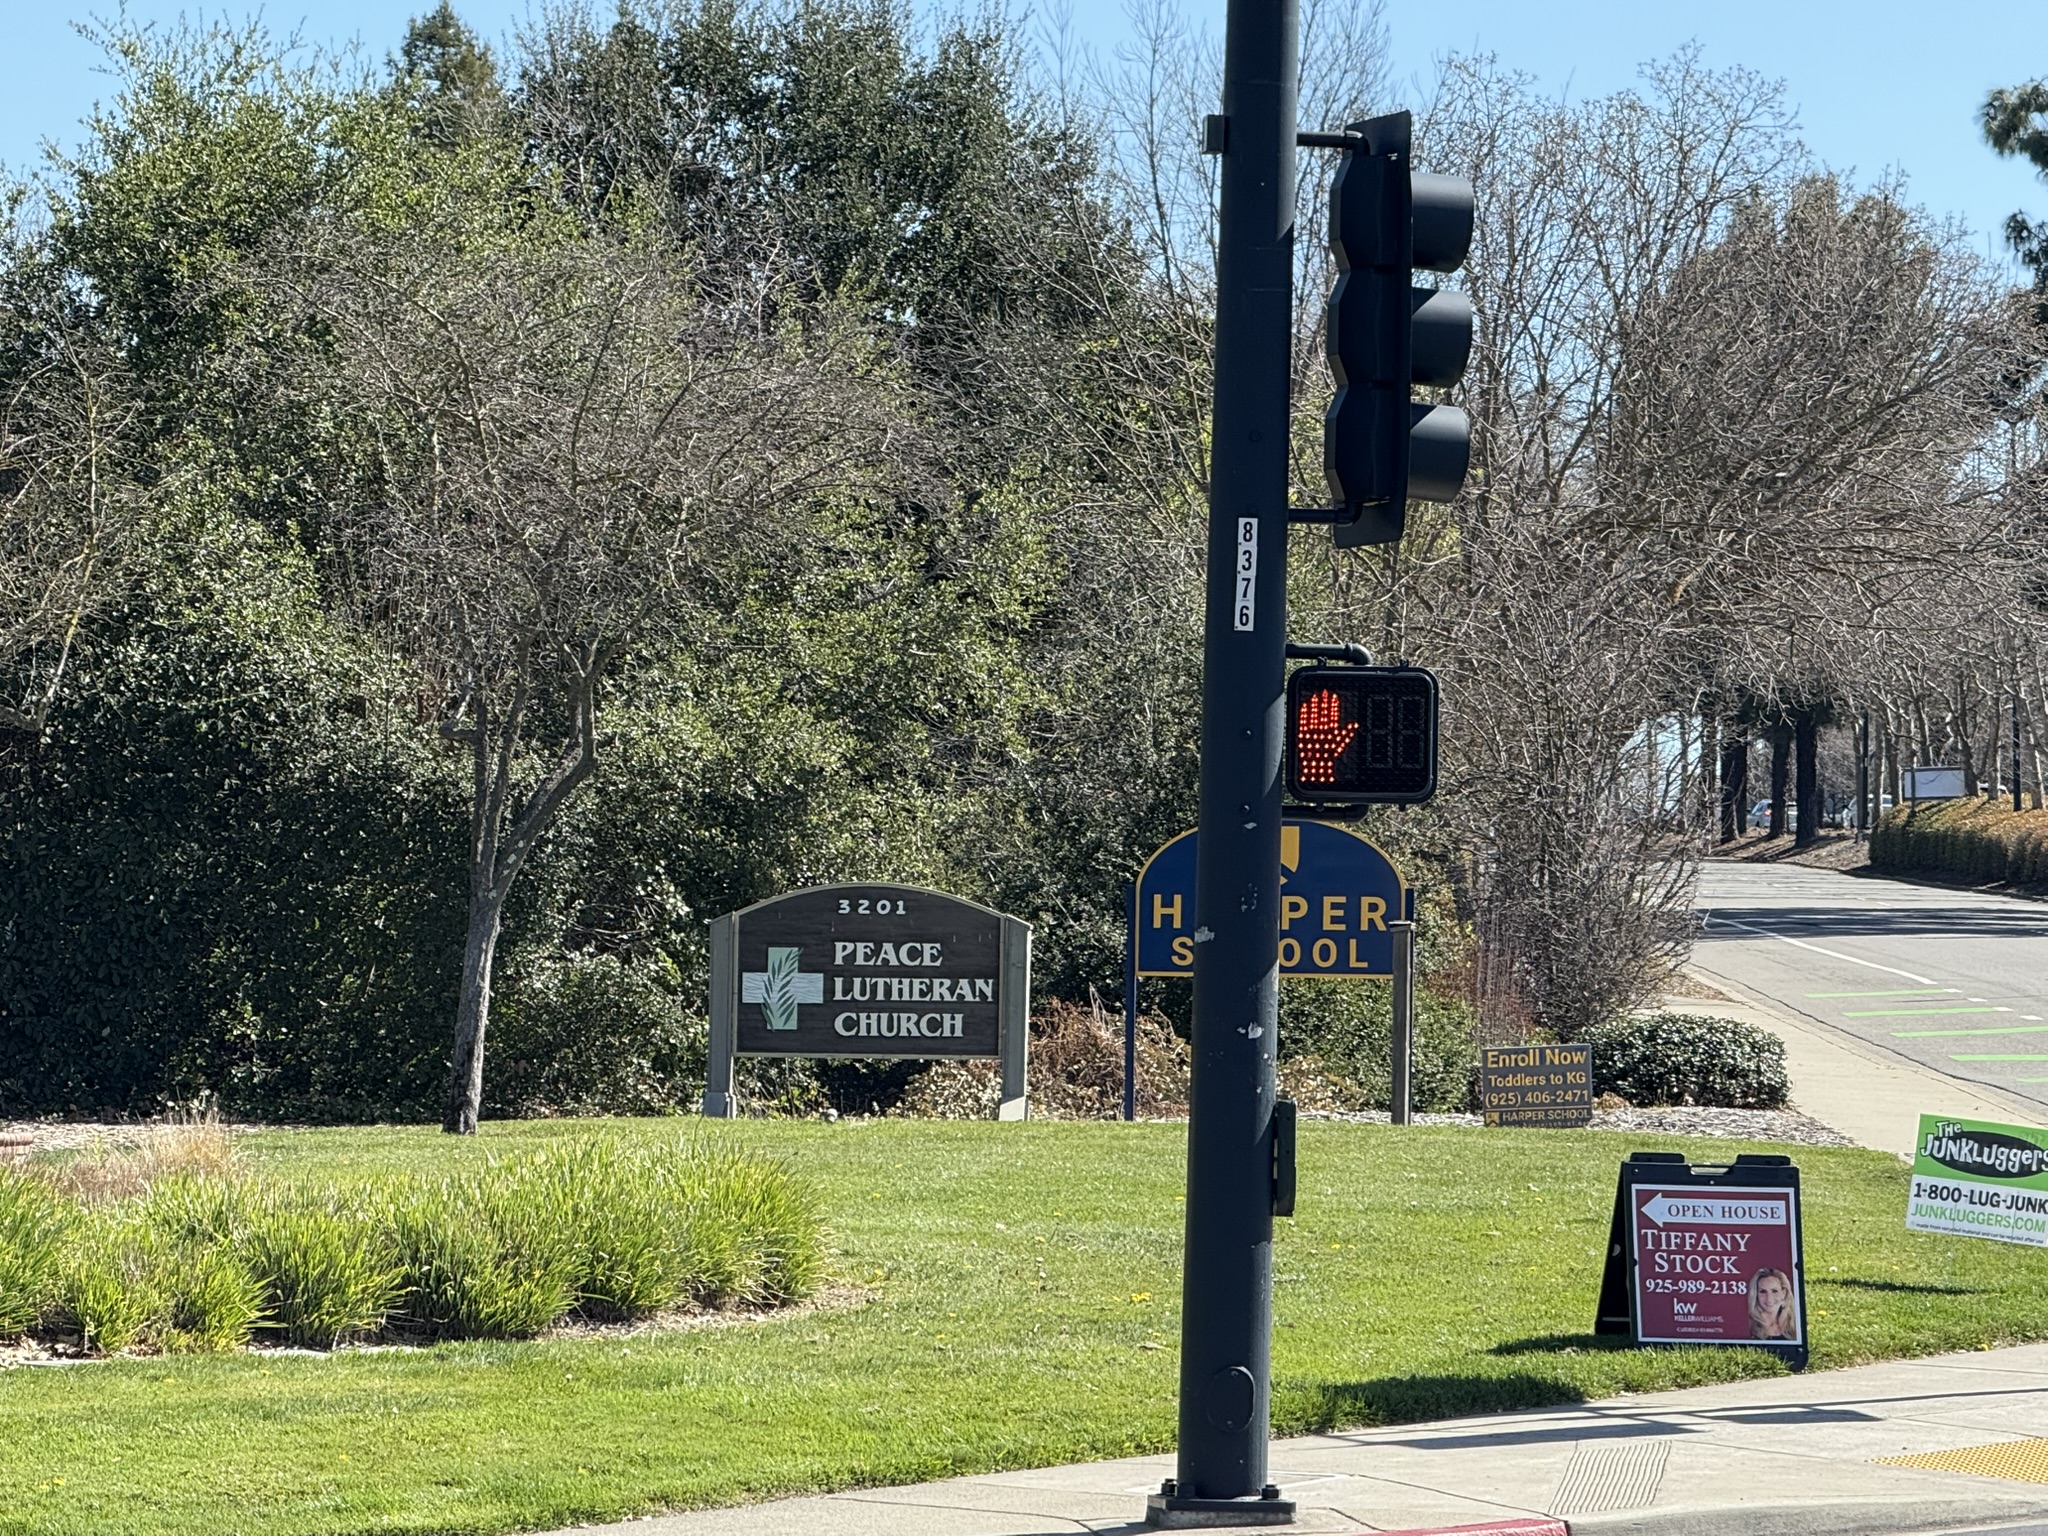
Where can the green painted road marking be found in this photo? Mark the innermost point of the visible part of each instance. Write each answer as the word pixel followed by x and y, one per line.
pixel 1902 992
pixel 1998 1058
pixel 1928 1034
pixel 1900 1013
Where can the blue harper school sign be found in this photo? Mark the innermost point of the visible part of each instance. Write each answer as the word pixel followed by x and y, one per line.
pixel 1337 894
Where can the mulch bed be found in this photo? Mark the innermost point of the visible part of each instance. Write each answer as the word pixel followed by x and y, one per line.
pixel 1788 1125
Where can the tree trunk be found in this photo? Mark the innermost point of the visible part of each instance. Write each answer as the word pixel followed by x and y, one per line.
pixel 1734 784
pixel 1709 783
pixel 497 852
pixel 1888 777
pixel 1964 746
pixel 1807 792
pixel 473 1012
pixel 2035 746
pixel 1781 772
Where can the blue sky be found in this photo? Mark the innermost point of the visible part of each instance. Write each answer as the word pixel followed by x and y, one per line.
pixel 1879 85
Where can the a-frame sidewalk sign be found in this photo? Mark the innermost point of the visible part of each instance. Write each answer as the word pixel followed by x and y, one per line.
pixel 1707 1254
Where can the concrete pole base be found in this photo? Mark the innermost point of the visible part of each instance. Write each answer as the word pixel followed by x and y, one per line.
pixel 1167 1510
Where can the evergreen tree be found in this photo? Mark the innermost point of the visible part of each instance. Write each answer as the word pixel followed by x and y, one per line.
pixel 2016 123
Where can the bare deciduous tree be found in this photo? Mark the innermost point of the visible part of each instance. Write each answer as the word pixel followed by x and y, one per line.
pixel 69 500
pixel 580 449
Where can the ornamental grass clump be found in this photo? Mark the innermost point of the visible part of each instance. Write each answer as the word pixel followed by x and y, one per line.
pixel 324 1259
pixel 755 1238
pixel 632 1250
pixel 109 1292
pixel 212 1302
pixel 34 1225
pixel 488 1256
pixel 196 1260
pixel 192 1143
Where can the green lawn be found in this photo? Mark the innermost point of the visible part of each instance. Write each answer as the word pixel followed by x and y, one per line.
pixel 1023 1285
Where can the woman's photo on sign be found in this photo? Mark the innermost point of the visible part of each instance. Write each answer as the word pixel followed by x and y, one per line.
pixel 1771 1313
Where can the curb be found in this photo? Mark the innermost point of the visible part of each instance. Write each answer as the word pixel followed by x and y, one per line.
pixel 1894 1517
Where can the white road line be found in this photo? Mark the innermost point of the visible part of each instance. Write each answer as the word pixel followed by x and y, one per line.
pixel 1832 954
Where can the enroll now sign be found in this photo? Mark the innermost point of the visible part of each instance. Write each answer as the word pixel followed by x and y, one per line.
pixel 1337 894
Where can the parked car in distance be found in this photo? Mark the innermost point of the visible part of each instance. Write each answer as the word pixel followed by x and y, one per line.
pixel 1760 816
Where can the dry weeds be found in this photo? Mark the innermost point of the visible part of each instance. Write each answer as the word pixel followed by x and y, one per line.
pixel 120 1165
pixel 1075 1072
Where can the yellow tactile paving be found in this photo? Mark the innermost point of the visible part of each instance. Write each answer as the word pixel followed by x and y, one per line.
pixel 2019 1461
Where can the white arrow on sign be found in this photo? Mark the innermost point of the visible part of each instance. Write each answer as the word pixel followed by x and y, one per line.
pixel 1716 1210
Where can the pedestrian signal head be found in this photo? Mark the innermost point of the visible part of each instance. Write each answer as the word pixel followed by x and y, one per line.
pixel 1361 735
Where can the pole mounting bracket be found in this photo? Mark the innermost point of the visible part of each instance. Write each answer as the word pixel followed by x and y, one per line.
pixel 1350 651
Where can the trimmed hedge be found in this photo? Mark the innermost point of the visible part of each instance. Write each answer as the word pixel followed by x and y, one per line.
pixel 1689 1058
pixel 1976 839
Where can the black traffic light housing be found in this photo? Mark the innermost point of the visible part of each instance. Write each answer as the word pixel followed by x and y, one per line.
pixel 1380 448
pixel 1361 735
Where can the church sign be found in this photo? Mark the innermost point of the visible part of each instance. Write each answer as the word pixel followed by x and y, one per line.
pixel 869 971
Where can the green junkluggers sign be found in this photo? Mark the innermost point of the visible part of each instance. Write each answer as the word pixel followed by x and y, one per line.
pixel 1973 1178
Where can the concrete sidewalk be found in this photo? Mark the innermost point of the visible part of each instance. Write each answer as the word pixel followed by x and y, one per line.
pixel 1873 1096
pixel 1788 1456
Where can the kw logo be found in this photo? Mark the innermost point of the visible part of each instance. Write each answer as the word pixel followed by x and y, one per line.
pixel 781 987
pixel 1685 1308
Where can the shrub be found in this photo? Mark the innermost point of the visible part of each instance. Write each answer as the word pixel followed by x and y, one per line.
pixel 33 1226
pixel 1075 1071
pixel 1683 1058
pixel 1341 1033
pixel 325 1266
pixel 1976 840
pixel 582 1034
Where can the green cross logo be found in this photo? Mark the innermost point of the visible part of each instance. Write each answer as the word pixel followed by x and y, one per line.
pixel 781 987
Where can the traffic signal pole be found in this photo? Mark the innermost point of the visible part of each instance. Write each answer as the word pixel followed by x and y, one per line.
pixel 1227 1287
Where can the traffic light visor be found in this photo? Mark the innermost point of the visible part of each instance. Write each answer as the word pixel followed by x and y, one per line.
pixel 1443 210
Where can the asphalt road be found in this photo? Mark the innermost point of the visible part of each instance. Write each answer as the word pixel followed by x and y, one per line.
pixel 1954 980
